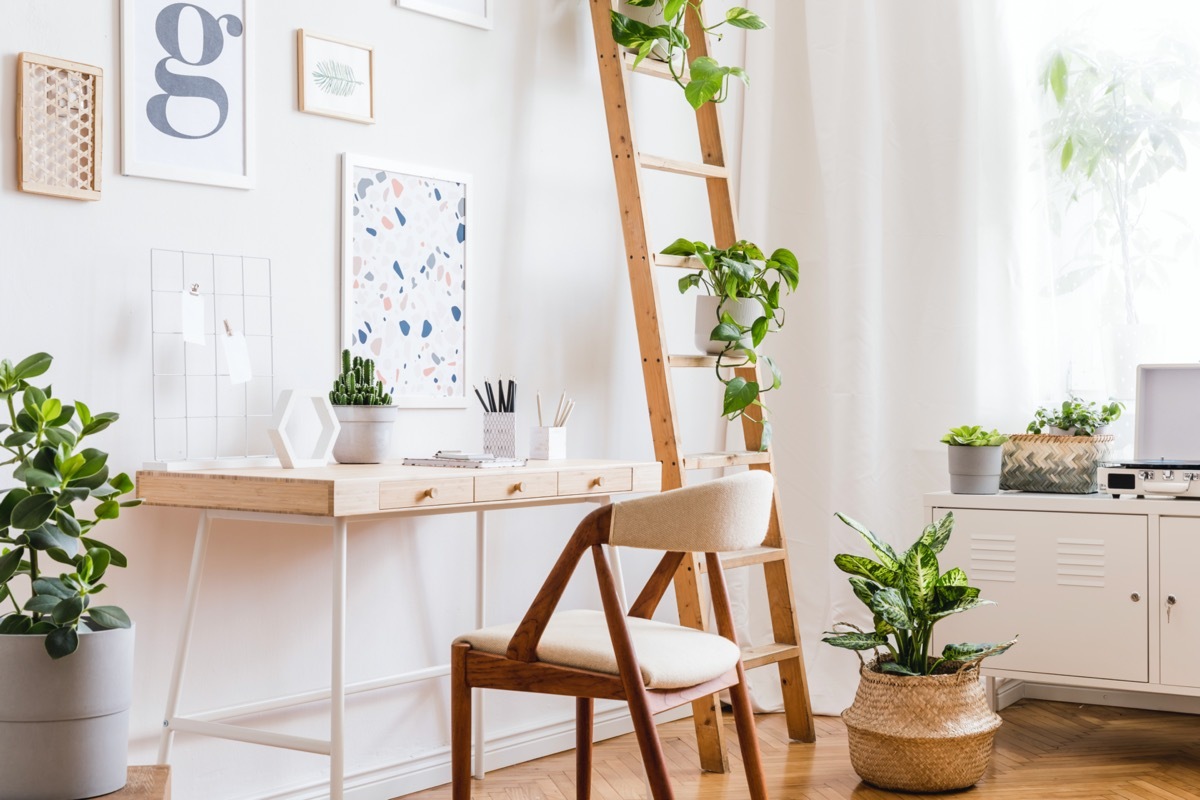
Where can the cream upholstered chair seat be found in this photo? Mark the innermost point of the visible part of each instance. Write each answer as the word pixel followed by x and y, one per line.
pixel 670 656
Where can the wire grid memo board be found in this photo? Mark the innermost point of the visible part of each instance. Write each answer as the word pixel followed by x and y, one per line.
pixel 201 418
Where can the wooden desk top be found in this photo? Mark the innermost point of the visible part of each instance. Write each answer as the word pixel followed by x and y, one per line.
pixel 346 490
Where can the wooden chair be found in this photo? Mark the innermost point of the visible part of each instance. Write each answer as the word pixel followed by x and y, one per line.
pixel 651 665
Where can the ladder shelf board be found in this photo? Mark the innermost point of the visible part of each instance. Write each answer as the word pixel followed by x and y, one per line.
pixel 679 167
pixel 748 557
pixel 692 360
pixel 653 67
pixel 738 458
pixel 678 262
pixel 771 653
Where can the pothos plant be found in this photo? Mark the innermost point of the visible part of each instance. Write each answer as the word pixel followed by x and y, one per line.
pixel 46 522
pixel 907 595
pixel 1076 417
pixel 706 79
pixel 742 273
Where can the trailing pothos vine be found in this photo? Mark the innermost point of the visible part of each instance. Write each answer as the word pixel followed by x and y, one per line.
pixel 742 273
pixel 706 80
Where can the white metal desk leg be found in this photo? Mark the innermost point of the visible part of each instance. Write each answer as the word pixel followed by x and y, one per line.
pixel 480 621
pixel 185 636
pixel 337 699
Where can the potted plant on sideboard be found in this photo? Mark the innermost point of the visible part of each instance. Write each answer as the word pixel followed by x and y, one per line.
pixel 739 307
pixel 365 411
pixel 919 722
pixel 67 664
pixel 1062 449
pixel 975 459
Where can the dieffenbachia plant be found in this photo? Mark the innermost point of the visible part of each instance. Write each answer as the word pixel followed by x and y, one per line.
pixel 65 491
pixel 706 80
pixel 908 595
pixel 742 273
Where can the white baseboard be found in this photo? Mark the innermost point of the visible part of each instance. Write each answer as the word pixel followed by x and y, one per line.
pixel 433 768
pixel 1012 691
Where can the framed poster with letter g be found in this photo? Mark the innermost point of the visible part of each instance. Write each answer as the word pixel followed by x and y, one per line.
pixel 187 89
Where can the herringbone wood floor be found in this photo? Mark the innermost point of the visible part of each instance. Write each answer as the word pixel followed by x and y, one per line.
pixel 1044 750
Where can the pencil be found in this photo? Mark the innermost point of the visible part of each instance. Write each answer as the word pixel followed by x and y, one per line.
pixel 500 391
pixel 562 403
pixel 512 395
pixel 477 394
pixel 491 396
pixel 539 404
pixel 567 414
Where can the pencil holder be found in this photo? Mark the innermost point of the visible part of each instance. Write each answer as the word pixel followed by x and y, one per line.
pixel 547 444
pixel 500 433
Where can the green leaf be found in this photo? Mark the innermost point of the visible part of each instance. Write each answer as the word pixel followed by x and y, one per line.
pixel 53 587
pixel 122 483
pixel 953 577
pixel 32 511
pixel 9 502
pixel 892 668
pixel 85 414
pixel 9 562
pixel 936 536
pixel 60 437
pixel 101 558
pixel 776 373
pixel 861 565
pixel 680 247
pixel 15 625
pixel 857 641
pixel 109 617
pixel 920 577
pixel 94 481
pixel 947 598
pixel 885 552
pixel 705 81
pixel 726 332
pixel 40 479
pixel 966 604
pixel 31 367
pixel 739 393
pixel 889 604
pixel 118 558
pixel 758 331
pixel 1067 151
pixel 68 524
pixel 19 438
pixel 51 408
pixel 47 536
pixel 864 588
pixel 68 610
pixel 744 18
pixel 1058 78
pixel 672 8
pixel 973 652
pixel 62 642
pixel 42 603
pixel 109 509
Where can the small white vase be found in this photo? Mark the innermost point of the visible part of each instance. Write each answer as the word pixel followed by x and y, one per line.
pixel 743 311
pixel 366 435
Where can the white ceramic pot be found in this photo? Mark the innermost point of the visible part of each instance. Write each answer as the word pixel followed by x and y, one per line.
pixel 974 470
pixel 64 725
pixel 1053 431
pixel 366 435
pixel 743 311
pixel 652 16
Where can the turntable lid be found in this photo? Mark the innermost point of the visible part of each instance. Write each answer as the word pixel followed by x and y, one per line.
pixel 1168 412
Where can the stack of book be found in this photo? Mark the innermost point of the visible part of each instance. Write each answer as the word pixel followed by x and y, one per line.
pixel 464 460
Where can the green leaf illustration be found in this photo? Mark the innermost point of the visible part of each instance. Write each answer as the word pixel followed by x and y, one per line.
pixel 336 78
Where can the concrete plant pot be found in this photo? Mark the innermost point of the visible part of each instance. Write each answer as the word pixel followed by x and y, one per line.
pixel 743 311
pixel 366 435
pixel 64 725
pixel 974 470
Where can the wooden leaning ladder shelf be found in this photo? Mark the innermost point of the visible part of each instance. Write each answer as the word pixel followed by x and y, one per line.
pixel 785 652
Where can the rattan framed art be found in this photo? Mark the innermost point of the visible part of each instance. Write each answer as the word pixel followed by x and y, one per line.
pixel 59 117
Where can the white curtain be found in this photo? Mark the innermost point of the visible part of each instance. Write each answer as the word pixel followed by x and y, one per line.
pixel 889 145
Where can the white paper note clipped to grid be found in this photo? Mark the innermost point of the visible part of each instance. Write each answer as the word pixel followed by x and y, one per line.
pixel 237 356
pixel 192 315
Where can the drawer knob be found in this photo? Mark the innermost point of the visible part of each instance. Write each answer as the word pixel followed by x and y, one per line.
pixel 520 487
pixel 431 493
pixel 599 482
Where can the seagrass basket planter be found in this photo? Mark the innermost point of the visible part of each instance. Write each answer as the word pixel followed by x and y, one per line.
pixel 1057 464
pixel 921 733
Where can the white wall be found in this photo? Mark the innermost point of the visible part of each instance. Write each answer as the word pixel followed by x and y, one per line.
pixel 520 108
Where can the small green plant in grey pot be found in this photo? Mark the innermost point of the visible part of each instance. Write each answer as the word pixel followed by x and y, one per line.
pixel 365 412
pixel 975 459
pixel 66 662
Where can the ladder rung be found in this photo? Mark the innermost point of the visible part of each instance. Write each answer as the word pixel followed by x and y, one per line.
pixel 717 460
pixel 679 262
pixel 653 67
pixel 765 654
pixel 692 361
pixel 682 167
pixel 748 557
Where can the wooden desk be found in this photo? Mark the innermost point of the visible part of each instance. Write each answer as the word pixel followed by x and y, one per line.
pixel 334 496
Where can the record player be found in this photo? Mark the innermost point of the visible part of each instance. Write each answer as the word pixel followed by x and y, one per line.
pixel 1166 441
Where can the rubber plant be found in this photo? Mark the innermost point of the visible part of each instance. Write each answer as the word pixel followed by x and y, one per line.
pixel 706 80
pixel 907 595
pixel 742 273
pixel 47 521
pixel 355 387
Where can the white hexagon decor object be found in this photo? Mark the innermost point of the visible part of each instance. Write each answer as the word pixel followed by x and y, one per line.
pixel 323 450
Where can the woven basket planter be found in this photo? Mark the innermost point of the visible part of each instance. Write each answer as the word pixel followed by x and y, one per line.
pixel 920 734
pixel 1058 464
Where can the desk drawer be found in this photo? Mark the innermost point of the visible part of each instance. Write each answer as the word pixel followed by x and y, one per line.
pixel 489 488
pixel 433 492
pixel 595 481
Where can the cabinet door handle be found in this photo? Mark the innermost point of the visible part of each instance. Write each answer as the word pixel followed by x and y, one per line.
pixel 1136 597
pixel 1170 604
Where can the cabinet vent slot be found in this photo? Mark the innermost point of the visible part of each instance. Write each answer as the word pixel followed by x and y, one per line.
pixel 1081 562
pixel 993 557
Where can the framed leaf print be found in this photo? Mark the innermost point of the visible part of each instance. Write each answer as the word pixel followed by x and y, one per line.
pixel 335 78
pixel 187 90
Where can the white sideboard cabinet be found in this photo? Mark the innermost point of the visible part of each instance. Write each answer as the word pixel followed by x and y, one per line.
pixel 1104 593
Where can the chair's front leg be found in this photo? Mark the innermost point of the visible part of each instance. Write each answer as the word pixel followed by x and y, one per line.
pixel 460 724
pixel 743 715
pixel 583 748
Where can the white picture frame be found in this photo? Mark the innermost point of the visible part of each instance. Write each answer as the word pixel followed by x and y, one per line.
pixel 206 138
pixel 455 10
pixel 328 73
pixel 417 336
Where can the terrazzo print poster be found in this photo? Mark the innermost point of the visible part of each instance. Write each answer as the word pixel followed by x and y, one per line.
pixel 404 288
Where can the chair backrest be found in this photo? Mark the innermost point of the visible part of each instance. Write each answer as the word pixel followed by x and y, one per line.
pixel 725 514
